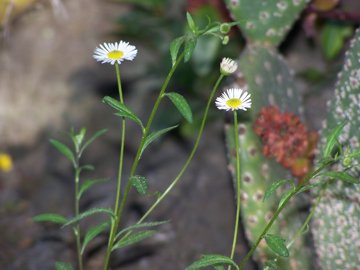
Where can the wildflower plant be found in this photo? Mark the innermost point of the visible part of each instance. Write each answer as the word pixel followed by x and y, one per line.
pixel 285 138
pixel 181 50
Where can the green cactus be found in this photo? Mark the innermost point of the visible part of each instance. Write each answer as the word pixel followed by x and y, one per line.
pixel 336 222
pixel 267 78
pixel 265 22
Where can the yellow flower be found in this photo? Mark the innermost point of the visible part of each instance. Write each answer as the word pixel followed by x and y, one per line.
pixel 6 163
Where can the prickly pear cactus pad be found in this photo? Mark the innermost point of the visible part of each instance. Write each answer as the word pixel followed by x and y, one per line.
pixel 265 21
pixel 336 222
pixel 257 173
pixel 270 82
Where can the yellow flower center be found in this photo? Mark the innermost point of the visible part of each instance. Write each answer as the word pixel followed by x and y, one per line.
pixel 115 55
pixel 233 103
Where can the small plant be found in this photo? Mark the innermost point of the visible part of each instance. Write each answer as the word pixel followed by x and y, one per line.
pixel 181 50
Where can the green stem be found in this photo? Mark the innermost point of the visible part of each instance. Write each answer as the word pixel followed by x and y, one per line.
pixel 177 178
pixel 114 223
pixel 120 210
pixel 277 212
pixel 238 176
pixel 77 212
pixel 306 222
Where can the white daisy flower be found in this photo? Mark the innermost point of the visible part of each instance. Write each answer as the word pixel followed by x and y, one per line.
pixel 234 99
pixel 115 52
pixel 228 66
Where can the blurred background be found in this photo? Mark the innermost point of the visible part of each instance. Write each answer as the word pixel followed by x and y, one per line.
pixel 49 83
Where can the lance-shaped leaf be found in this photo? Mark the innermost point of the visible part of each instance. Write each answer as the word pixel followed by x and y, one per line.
pixel 332 139
pixel 155 135
pixel 92 139
pixel 273 187
pixel 133 239
pixel 88 184
pixel 49 217
pixel 175 47
pixel 211 260
pixel 92 233
pixel 190 44
pixel 63 149
pixel 88 213
pixel 122 110
pixel 191 22
pixel 182 105
pixel 277 244
pixel 342 176
pixel 140 226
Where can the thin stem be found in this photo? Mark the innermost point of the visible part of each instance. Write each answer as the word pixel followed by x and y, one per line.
pixel 123 127
pixel 177 178
pixel 238 176
pixel 277 212
pixel 77 212
pixel 114 223
pixel 120 210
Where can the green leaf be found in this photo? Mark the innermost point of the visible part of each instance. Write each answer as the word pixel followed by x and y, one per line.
pixel 277 245
pixel 175 47
pixel 54 218
pixel 273 187
pixel 285 196
pixel 78 138
pixel 211 260
pixel 342 176
pixel 182 105
pixel 191 23
pixel 133 239
pixel 190 45
pixel 63 266
pixel 332 38
pixel 88 184
pixel 139 226
pixel 154 135
pixel 88 213
pixel 63 149
pixel 332 140
pixel 93 138
pixel 308 187
pixel 123 111
pixel 92 233
pixel 140 183
pixel 87 167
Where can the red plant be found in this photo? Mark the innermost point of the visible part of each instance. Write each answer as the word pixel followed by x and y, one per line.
pixel 286 139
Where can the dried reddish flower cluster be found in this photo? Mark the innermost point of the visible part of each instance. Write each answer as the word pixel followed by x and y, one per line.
pixel 286 139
